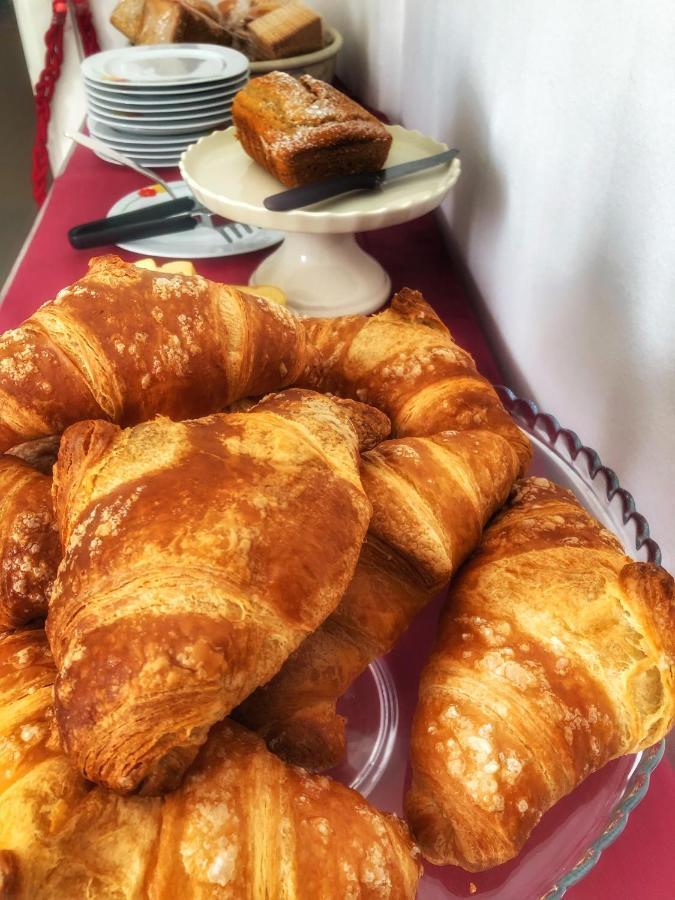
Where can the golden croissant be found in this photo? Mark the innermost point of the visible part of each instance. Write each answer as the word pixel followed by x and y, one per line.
pixel 243 825
pixel 29 543
pixel 555 654
pixel 405 362
pixel 125 344
pixel 431 498
pixel 197 556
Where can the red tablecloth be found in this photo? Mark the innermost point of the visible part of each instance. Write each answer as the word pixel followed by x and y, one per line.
pixel 641 864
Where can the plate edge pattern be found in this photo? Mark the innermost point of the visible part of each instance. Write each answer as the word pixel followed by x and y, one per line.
pixel 527 411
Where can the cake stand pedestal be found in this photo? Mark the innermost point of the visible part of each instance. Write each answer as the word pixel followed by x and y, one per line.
pixel 319 265
pixel 325 275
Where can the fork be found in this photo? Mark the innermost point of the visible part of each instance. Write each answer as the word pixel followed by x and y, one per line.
pixel 153 220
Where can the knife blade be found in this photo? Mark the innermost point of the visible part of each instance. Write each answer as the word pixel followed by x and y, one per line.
pixel 307 194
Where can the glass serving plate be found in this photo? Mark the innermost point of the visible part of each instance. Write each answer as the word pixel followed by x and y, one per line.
pixel 568 841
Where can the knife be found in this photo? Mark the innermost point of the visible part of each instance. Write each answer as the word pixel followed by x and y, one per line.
pixel 151 221
pixel 343 184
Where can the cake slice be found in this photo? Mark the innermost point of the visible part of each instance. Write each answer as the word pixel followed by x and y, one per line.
pixel 127 17
pixel 286 31
pixel 303 130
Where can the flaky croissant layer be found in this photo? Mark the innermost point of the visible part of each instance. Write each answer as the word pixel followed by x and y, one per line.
pixel 431 498
pixel 555 654
pixel 405 362
pixel 243 826
pixel 197 556
pixel 432 490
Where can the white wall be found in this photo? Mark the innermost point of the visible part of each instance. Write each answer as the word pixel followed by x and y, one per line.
pixel 565 211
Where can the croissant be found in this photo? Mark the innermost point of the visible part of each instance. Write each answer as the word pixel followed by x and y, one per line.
pixel 242 825
pixel 29 543
pixel 125 344
pixel 197 556
pixel 555 654
pixel 431 498
pixel 405 362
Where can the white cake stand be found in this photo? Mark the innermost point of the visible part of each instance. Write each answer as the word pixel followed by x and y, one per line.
pixel 319 264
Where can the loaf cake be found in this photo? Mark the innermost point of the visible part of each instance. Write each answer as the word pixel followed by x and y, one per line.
pixel 303 130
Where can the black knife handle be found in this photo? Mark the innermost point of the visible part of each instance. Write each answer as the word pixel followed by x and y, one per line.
pixel 107 234
pixel 321 190
pixel 151 213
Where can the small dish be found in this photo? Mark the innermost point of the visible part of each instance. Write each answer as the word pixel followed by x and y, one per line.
pixel 172 127
pixel 170 114
pixel 165 65
pixel 150 162
pixel 122 139
pixel 202 242
pixel 159 93
pixel 166 102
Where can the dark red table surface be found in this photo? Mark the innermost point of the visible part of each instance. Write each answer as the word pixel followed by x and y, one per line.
pixel 641 864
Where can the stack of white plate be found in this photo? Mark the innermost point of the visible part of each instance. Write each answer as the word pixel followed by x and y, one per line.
pixel 152 102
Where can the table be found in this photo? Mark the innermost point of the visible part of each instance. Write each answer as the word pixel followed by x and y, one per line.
pixel 641 864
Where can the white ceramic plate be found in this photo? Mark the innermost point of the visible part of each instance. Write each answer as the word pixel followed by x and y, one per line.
pixel 171 114
pixel 173 128
pixel 146 94
pixel 230 183
pixel 189 101
pixel 155 152
pixel 168 65
pixel 149 162
pixel 145 158
pixel 147 152
pixel 152 142
pixel 200 243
